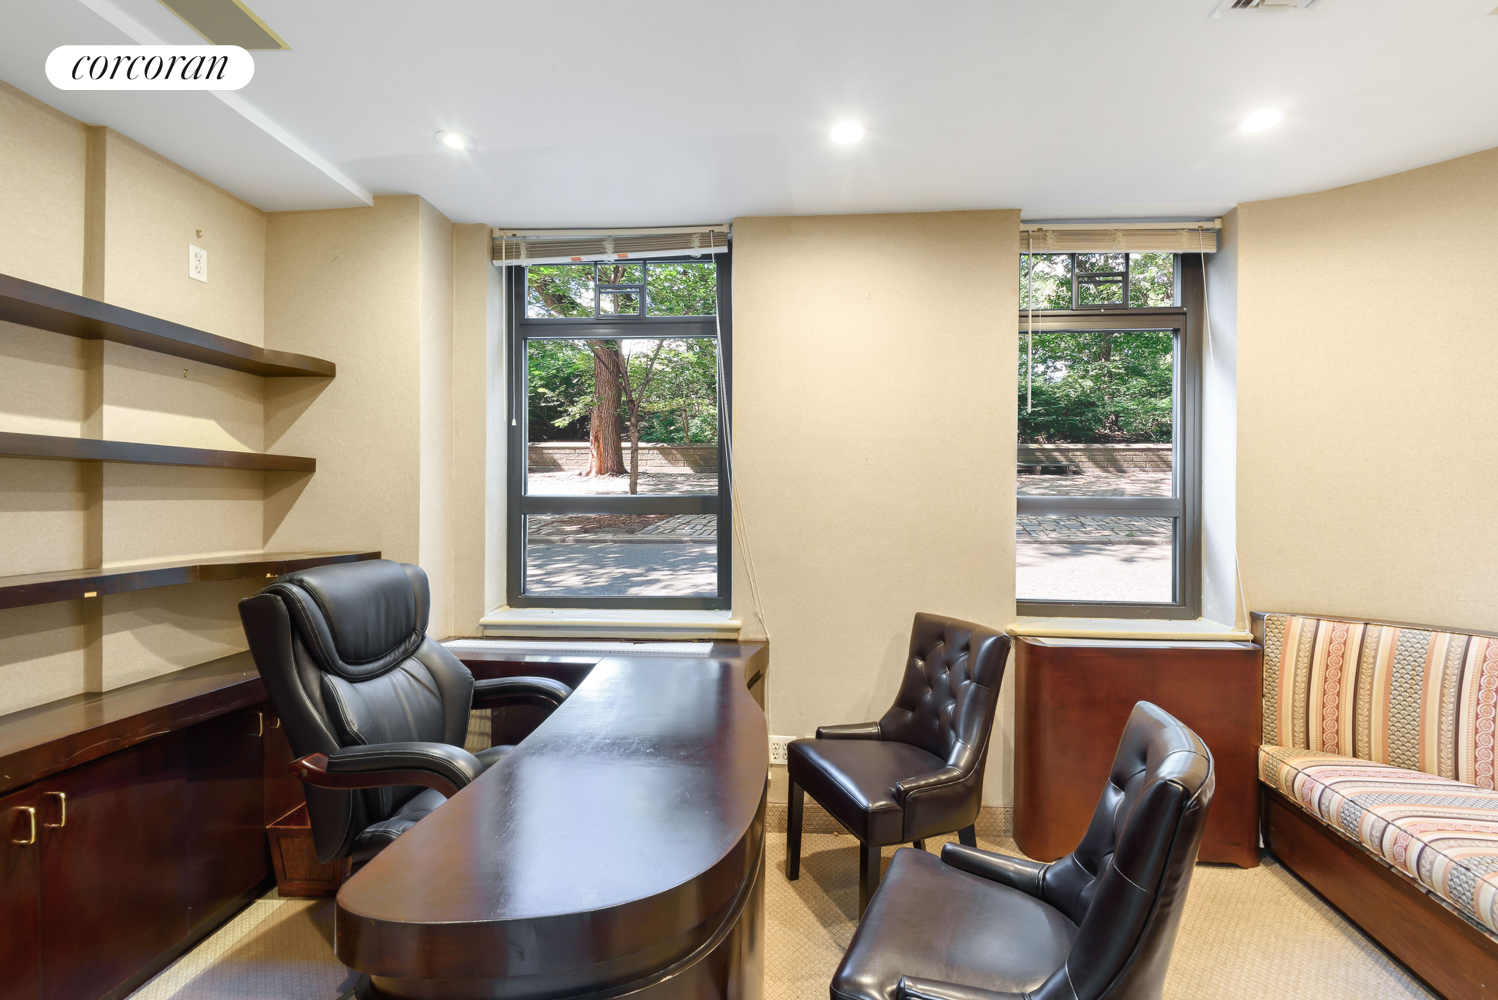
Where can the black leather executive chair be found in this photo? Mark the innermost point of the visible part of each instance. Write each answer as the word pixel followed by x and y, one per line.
pixel 1100 922
pixel 918 771
pixel 376 711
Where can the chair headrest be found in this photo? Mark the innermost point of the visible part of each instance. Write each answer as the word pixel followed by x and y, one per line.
pixel 357 619
pixel 1162 747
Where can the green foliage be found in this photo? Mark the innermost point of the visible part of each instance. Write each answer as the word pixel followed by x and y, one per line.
pixel 672 288
pixel 559 291
pixel 1151 279
pixel 682 288
pixel 561 389
pixel 683 386
pixel 682 392
pixel 1097 387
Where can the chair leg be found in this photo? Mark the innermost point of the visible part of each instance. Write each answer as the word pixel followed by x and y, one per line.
pixel 868 874
pixel 919 845
pixel 968 835
pixel 796 800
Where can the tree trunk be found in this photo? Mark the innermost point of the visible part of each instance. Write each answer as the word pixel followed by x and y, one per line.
pixel 686 426
pixel 634 453
pixel 605 451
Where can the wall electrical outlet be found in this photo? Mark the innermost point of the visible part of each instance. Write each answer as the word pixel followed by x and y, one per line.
pixel 197 263
pixel 779 749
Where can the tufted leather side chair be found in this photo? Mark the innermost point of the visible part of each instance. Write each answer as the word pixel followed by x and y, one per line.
pixel 376 711
pixel 918 771
pixel 1100 922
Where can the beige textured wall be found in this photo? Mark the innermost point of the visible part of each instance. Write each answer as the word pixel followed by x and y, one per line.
pixel 89 211
pixel 1367 462
pixel 471 472
pixel 42 158
pixel 435 548
pixel 372 290
pixel 891 339
pixel 153 210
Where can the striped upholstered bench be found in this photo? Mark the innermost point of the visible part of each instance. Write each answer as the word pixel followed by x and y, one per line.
pixel 1379 775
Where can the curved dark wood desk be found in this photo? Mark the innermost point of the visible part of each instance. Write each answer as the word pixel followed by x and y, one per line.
pixel 618 850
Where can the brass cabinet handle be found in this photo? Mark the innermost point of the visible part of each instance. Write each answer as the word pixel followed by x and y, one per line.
pixel 62 811
pixel 260 720
pixel 31 812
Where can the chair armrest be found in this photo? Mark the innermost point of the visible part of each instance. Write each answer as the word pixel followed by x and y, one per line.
pixel 502 692
pixel 911 988
pixel 849 731
pixel 1017 873
pixel 931 779
pixel 431 765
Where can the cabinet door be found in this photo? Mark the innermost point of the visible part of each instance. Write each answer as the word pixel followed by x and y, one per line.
pixel 112 898
pixel 226 847
pixel 20 913
pixel 283 790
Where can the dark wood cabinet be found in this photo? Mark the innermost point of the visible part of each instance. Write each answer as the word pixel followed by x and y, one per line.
pixel 225 851
pixel 112 888
pixel 149 829
pixel 283 790
pixel 20 900
pixel 1072 698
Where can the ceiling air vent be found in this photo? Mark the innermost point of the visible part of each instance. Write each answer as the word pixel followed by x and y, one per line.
pixel 1259 6
pixel 226 22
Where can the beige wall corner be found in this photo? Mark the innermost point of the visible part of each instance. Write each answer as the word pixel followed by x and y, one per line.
pixel 153 211
pixel 496 445
pixel 1367 463
pixel 874 430
pixel 345 285
pixel 472 273
pixel 436 467
pixel 43 160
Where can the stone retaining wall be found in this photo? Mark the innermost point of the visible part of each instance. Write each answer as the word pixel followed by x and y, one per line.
pixel 1099 457
pixel 572 456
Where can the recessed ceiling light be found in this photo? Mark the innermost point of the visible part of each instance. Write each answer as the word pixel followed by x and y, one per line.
pixel 1260 120
pixel 847 132
pixel 455 140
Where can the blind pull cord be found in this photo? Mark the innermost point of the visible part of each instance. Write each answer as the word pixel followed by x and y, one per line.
pixel 1030 332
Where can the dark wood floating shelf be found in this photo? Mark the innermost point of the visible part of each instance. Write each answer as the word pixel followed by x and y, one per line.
pixel 44 308
pixel 94 450
pixel 72 585
pixel 42 741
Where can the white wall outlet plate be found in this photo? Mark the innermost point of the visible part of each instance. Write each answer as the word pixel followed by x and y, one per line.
pixel 197 263
pixel 779 752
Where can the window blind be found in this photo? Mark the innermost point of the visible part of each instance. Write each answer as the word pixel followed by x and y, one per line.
pixel 1130 237
pixel 576 246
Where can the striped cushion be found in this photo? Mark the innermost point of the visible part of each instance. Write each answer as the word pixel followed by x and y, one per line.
pixel 1442 833
pixel 1418 699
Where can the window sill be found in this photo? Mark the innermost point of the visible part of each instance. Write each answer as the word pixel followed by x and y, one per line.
pixel 597 623
pixel 1200 629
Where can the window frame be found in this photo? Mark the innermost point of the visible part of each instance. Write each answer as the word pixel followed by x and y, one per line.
pixel 520 330
pixel 1184 320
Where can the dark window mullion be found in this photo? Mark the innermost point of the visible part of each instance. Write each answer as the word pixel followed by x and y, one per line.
pixel 521 505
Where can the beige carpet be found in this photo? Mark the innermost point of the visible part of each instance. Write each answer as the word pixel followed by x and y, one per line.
pixel 1246 934
pixel 1254 933
pixel 276 949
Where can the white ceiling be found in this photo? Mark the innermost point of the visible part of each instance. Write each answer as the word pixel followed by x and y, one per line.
pixel 667 112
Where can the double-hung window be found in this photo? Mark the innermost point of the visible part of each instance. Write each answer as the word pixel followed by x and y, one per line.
pixel 618 478
pixel 1109 521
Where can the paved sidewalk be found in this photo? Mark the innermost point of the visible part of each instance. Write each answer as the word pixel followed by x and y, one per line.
pixel 1088 529
pixel 575 484
pixel 1134 483
pixel 605 529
